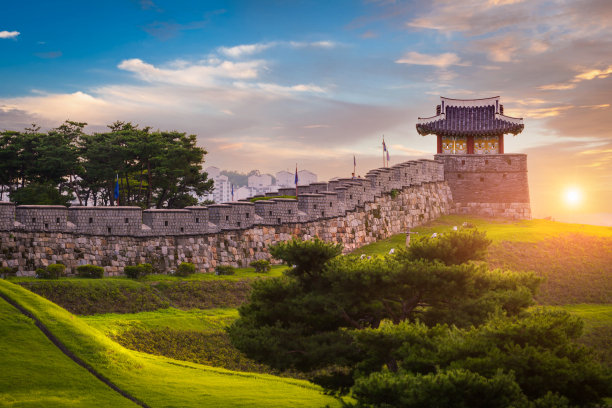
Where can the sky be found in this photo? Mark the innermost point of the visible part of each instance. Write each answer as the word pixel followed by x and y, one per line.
pixel 270 84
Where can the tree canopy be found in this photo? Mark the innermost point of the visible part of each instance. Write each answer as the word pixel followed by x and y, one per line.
pixel 415 326
pixel 154 168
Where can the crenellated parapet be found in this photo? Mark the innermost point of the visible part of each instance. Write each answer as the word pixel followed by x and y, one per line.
pixel 315 201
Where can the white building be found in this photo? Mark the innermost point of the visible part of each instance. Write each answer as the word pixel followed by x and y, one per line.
pixel 285 179
pixel 260 181
pixel 222 192
pixel 305 177
pixel 213 172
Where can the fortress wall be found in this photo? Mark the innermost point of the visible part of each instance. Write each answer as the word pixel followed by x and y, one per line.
pixel 379 219
pixel 491 185
pixel 43 217
pixel 7 216
pixel 106 220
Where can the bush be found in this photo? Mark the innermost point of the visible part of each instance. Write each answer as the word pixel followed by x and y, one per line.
pixel 225 270
pixel 185 269
pixel 263 265
pixel 53 271
pixel 138 271
pixel 90 271
pixel 6 271
pixel 452 248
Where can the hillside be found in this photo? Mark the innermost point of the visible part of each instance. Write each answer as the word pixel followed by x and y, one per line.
pixel 143 333
pixel 29 379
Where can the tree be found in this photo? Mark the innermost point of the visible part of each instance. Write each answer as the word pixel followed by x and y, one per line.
pixel 533 354
pixel 40 194
pixel 291 320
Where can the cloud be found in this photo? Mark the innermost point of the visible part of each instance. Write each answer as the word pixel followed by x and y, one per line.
pixel 440 60
pixel 246 49
pixel 9 34
pixel 239 51
pixel 409 150
pixel 203 73
pixel 557 87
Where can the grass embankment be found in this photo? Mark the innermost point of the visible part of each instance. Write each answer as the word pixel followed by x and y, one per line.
pixel 196 335
pixel 35 373
pixel 158 381
pixel 121 295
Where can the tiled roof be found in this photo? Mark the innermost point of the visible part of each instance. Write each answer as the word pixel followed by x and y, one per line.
pixel 477 117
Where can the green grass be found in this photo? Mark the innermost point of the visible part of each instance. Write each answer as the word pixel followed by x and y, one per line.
pixel 194 320
pixel 574 259
pixel 153 292
pixel 271 197
pixel 526 231
pixel 35 373
pixel 158 381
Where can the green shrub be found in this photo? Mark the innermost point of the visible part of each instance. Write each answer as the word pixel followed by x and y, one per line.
pixel 138 271
pixel 263 265
pixel 225 270
pixel 394 193
pixel 90 271
pixel 6 271
pixel 53 271
pixel 185 269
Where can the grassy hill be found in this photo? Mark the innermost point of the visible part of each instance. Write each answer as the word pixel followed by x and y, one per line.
pixel 28 379
pixel 149 335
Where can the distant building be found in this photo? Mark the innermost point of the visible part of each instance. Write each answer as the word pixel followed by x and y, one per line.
pixel 222 191
pixel 260 181
pixel 213 172
pixel 244 192
pixel 287 179
pixel 306 177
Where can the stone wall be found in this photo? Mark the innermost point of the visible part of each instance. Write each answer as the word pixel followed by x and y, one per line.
pixel 490 185
pixel 375 220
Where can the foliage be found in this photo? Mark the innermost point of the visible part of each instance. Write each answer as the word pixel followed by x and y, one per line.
pixel 40 194
pixel 138 271
pixel 53 271
pixel 303 320
pixel 241 179
pixel 98 296
pixel 225 270
pixel 261 266
pixel 90 271
pixel 537 348
pixel 205 347
pixel 185 269
pixel 446 389
pixel 306 257
pixel 452 248
pixel 394 193
pixel 161 169
pixel 6 271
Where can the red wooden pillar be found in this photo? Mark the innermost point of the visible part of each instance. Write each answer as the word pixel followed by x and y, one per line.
pixel 470 144
pixel 501 144
pixel 439 144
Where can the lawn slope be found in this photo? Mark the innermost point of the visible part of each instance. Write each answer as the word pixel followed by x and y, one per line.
pixel 157 381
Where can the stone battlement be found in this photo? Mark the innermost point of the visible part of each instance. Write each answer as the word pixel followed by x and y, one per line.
pixel 314 202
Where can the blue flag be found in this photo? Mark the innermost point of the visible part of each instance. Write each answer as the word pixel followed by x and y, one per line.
pixel 117 188
pixel 296 175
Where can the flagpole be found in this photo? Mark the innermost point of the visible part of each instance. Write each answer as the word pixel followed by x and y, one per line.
pixel 296 181
pixel 354 166
pixel 384 149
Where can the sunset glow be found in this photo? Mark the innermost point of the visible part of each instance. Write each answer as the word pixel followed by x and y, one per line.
pixel 572 196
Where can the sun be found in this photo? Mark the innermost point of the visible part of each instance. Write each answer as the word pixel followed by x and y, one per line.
pixel 573 196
